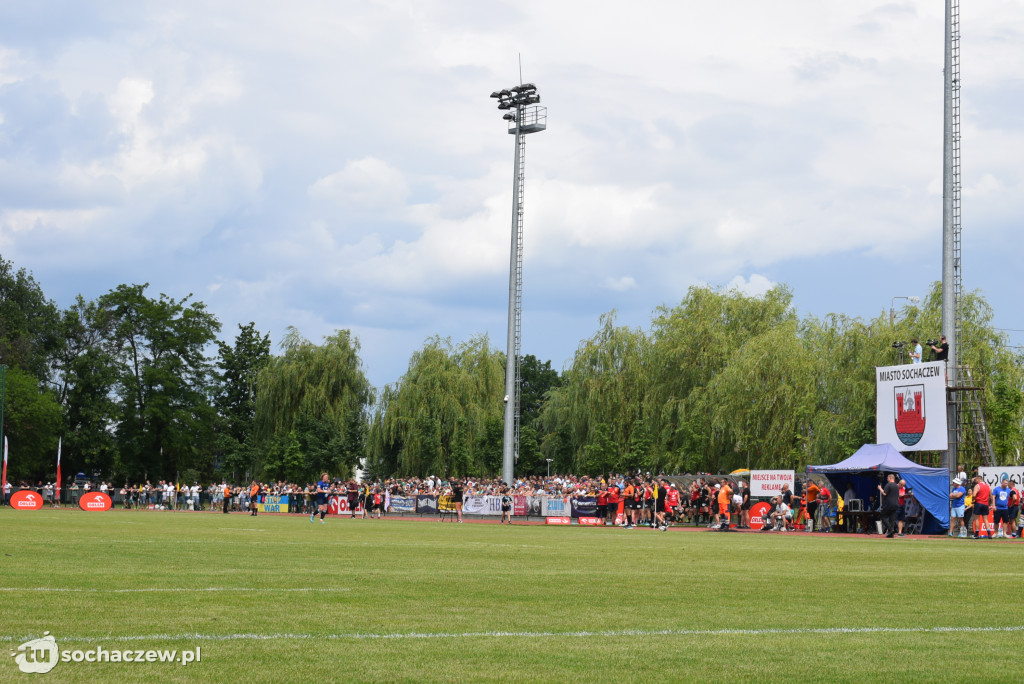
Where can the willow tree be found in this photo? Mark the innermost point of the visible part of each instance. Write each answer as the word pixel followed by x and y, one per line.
pixel 595 421
pixel 319 395
pixel 444 415
pixel 692 344
pixel 764 402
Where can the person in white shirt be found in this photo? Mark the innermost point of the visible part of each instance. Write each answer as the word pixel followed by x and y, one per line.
pixel 781 515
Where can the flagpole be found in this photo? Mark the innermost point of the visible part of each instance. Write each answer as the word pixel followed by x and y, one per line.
pixel 3 436
pixel 56 501
pixel 3 476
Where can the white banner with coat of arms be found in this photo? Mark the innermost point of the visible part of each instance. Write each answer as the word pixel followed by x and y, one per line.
pixel 911 406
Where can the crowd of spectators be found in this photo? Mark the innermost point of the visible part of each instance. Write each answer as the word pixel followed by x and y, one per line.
pixel 630 500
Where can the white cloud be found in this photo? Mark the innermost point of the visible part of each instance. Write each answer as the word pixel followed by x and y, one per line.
pixel 341 164
pixel 366 183
pixel 620 284
pixel 756 286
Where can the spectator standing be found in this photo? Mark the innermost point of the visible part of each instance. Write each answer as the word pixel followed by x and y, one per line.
pixel 890 495
pixel 811 492
pixel 1014 509
pixel 981 495
pixel 956 509
pixel 1001 499
pixel 457 492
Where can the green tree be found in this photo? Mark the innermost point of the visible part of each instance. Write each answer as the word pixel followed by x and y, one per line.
pixel 32 420
pixel 29 322
pixel 87 374
pixel 166 420
pixel 238 368
pixel 444 415
pixel 606 385
pixel 320 394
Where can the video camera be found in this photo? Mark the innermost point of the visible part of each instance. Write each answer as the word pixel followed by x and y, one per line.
pixel 932 343
pixel 898 345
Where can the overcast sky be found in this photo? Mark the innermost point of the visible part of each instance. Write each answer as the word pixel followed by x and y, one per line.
pixel 339 164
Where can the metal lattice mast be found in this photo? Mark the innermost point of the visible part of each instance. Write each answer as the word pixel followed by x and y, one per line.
pixel 518 269
pixel 524 117
pixel 952 281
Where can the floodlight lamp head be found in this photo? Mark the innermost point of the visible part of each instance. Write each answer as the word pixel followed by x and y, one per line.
pixel 527 86
pixel 509 117
pixel 913 300
pixel 504 105
pixel 506 92
pixel 496 94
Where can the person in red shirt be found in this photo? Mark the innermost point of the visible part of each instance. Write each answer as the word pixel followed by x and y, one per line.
pixel 602 502
pixel 671 500
pixel 981 495
pixel 1014 509
pixel 613 504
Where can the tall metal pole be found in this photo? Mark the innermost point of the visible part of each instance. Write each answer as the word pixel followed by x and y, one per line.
pixel 508 447
pixel 950 217
pixel 3 397
pixel 524 117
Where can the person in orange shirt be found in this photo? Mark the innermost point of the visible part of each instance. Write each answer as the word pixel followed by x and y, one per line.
pixel 724 500
pixel 811 498
pixel 628 511
pixel 254 495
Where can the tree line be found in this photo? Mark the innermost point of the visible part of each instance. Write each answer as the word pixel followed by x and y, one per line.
pixel 139 386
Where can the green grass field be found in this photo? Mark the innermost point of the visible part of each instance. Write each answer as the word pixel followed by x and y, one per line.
pixel 276 599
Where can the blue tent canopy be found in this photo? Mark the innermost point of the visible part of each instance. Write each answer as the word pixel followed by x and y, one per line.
pixel 930 485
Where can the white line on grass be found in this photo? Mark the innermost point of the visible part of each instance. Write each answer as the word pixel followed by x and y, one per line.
pixel 169 590
pixel 534 635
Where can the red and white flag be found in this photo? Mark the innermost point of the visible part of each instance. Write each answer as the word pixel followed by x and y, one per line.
pixel 3 478
pixel 59 439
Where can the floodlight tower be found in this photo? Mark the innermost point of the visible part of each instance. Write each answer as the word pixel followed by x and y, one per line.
pixel 524 117
pixel 952 280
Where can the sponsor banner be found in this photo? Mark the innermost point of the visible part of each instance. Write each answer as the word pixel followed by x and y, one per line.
pixel 480 504
pixel 535 506
pixel 403 504
pixel 339 504
pixel 994 475
pixel 272 504
pixel 95 501
pixel 558 520
pixel 26 500
pixel 585 520
pixel 426 504
pixel 554 506
pixel 583 506
pixel 520 505
pixel 911 406
pixel 769 482
pixel 759 513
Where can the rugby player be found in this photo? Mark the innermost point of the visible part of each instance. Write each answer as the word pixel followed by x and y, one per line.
pixel 323 489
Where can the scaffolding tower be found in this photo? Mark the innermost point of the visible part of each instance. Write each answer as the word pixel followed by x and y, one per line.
pixel 969 438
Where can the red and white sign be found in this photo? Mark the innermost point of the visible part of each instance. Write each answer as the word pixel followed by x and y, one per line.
pixel 95 501
pixel 339 504
pixel 26 500
pixel 558 520
pixel 591 521
pixel 758 513
pixel 910 408
pixel 769 482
